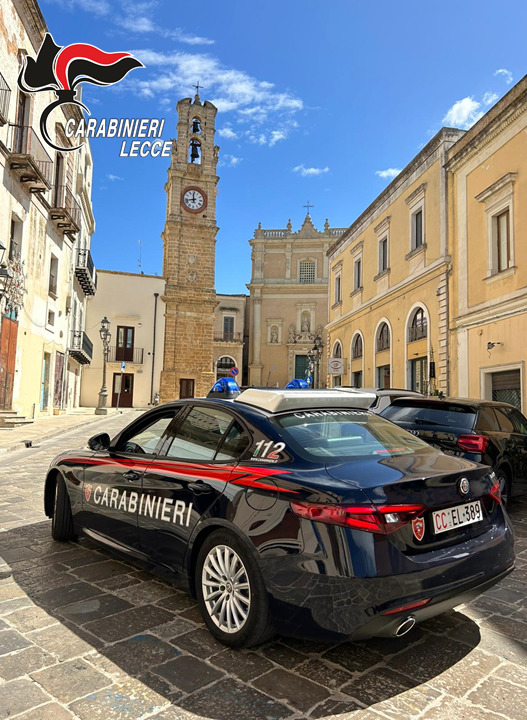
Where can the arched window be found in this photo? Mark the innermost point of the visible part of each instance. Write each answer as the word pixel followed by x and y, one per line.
pixel 337 350
pixel 383 337
pixel 223 366
pixel 356 350
pixel 418 327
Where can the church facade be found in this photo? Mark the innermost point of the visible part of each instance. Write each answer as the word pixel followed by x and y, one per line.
pixel 288 304
pixel 188 254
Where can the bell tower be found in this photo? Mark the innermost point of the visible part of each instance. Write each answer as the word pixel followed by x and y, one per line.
pixel 189 241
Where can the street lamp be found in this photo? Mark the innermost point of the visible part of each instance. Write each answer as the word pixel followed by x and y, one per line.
pixel 313 360
pixel 104 332
pixel 6 273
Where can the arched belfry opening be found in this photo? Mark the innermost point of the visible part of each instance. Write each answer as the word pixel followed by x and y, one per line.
pixel 196 126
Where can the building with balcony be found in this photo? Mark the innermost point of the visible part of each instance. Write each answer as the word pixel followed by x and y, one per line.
pixel 289 303
pixel 46 224
pixel 230 337
pixel 133 303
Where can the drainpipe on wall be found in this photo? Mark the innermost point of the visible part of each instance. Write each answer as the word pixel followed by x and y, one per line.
pixel 156 295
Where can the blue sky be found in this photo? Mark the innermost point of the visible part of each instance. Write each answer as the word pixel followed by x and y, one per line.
pixel 317 101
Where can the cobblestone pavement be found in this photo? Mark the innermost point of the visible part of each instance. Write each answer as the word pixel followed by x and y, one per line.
pixel 84 635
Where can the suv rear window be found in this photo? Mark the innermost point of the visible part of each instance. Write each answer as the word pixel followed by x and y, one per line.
pixel 433 413
pixel 346 434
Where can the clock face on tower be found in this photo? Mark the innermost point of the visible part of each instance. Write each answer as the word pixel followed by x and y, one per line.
pixel 194 199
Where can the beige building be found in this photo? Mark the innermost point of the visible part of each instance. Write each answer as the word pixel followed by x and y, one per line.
pixel 189 254
pixel 488 172
pixel 133 304
pixel 389 281
pixel 46 223
pixel 289 303
pixel 230 341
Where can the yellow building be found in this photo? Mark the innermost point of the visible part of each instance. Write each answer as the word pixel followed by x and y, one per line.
pixel 389 278
pixel 230 340
pixel 488 172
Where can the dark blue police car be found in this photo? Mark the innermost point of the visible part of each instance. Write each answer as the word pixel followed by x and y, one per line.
pixel 289 510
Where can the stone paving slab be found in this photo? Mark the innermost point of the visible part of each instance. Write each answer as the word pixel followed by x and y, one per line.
pixel 84 635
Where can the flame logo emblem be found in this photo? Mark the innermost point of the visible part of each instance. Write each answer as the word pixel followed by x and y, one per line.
pixel 62 69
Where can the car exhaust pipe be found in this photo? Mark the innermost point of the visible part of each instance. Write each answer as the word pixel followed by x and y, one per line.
pixel 404 627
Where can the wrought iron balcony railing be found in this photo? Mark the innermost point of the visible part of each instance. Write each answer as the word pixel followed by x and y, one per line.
pixel 85 272
pixel 121 354
pixel 417 333
pixel 28 158
pixel 65 211
pixel 228 337
pixel 81 347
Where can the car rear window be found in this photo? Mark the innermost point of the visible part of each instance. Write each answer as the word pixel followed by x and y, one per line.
pixel 346 434
pixel 423 413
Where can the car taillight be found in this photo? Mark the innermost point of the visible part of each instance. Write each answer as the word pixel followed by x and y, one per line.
pixel 473 443
pixel 406 608
pixel 383 519
pixel 495 493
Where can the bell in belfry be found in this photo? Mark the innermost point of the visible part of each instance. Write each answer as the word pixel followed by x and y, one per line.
pixel 196 127
pixel 194 152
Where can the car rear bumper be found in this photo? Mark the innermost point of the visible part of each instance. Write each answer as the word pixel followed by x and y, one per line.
pixel 309 601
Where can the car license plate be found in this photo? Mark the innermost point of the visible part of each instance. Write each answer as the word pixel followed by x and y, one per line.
pixel 455 517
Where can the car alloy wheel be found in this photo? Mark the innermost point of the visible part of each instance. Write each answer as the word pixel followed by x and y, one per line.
pixel 226 589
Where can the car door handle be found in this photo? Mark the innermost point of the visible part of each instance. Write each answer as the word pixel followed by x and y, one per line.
pixel 131 476
pixel 199 487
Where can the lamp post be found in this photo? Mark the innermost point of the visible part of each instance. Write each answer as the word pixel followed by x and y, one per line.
pixel 104 332
pixel 313 360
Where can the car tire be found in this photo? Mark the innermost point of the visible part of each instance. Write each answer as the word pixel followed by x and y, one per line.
pixel 505 487
pixel 231 593
pixel 61 520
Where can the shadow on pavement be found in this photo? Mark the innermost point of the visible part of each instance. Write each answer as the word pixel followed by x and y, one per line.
pixel 104 630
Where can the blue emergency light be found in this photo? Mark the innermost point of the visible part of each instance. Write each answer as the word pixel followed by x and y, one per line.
pixel 225 388
pixel 297 383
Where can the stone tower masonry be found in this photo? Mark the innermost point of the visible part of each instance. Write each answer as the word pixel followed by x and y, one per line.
pixel 188 254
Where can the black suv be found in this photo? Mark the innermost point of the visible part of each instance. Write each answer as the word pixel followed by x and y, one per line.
pixel 488 432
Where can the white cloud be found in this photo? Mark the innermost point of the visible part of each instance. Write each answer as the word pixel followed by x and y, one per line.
pixel 227 133
pixel 463 113
pixel 309 172
pixel 388 173
pixel 507 75
pixel 229 160
pixel 230 90
pixel 490 98
pixel 113 178
pixel 276 136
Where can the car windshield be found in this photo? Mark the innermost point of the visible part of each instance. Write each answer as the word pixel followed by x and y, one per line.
pixel 346 434
pixel 433 413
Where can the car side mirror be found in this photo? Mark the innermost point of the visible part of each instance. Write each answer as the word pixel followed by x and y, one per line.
pixel 99 442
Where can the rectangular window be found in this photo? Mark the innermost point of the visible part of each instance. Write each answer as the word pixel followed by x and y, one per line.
pixel 15 239
pixel 383 254
pixel 338 289
pixel 502 241
pixel 53 276
pixel 228 327
pixel 357 274
pixel 51 317
pixel 306 272
pixel 417 229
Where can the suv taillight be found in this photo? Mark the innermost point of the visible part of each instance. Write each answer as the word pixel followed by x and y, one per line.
pixel 383 519
pixel 473 443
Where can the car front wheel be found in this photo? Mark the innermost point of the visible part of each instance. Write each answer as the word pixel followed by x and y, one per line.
pixel 231 593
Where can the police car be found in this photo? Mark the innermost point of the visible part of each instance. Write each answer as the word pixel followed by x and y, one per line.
pixel 297 511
